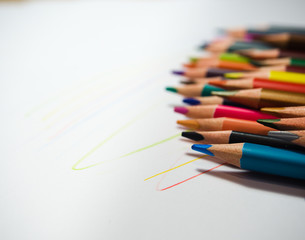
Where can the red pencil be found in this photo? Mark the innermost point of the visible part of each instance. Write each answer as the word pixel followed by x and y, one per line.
pixel 216 111
pixel 259 83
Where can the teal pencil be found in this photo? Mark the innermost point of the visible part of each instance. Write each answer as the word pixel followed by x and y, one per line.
pixel 258 158
pixel 195 90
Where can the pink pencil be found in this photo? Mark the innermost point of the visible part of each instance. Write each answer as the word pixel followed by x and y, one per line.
pixel 216 111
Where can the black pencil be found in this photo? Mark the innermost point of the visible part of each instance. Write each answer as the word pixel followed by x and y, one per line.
pixel 225 137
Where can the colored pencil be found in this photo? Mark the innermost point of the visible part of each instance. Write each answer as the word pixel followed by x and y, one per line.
pixel 234 57
pixel 218 124
pixel 194 90
pixel 223 64
pixel 259 83
pixel 251 48
pixel 203 72
pixel 272 29
pixel 286 112
pixel 200 80
pixel 210 100
pixel 296 137
pixel 270 53
pixel 225 137
pixel 231 45
pixel 216 111
pixel 259 97
pixel 291 77
pixel 279 61
pixel 260 158
pixel 290 41
pixel 284 123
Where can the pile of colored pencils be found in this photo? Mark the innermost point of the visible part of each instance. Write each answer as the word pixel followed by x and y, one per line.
pixel 246 99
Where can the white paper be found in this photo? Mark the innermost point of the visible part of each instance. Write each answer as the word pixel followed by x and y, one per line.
pixel 83 87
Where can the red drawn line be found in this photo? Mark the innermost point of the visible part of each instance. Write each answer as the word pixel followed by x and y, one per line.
pixel 185 180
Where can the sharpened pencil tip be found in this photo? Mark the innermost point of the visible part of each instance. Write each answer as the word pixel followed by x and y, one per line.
pixel 171 89
pixel 178 72
pixel 181 110
pixel 269 122
pixel 233 75
pixel 191 101
pixel 193 136
pixel 204 46
pixel 203 148
pixel 194 59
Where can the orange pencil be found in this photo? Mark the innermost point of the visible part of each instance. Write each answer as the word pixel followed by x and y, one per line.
pixel 218 124
pixel 223 64
pixel 259 83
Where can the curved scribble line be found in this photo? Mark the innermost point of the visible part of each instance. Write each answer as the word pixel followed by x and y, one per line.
pixel 74 167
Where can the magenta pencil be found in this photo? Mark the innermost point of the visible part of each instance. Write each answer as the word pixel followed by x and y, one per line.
pixel 216 111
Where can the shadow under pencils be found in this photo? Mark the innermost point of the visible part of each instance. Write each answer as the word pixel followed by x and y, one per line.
pixel 263 182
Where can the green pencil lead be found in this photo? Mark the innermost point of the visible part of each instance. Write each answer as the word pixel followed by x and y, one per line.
pixel 171 89
pixel 269 122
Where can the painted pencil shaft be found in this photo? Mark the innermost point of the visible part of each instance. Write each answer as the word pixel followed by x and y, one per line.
pixel 259 158
pixel 286 112
pixel 216 111
pixel 225 137
pixel 296 137
pixel 218 124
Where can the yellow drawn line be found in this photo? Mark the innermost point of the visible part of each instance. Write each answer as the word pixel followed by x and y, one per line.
pixel 170 169
pixel 74 167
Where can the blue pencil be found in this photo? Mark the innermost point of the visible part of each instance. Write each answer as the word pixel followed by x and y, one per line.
pixel 258 158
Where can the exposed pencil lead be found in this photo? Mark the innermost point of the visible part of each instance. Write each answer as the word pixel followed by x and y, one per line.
pixel 203 148
pixel 171 89
pixel 193 136
pixel 193 124
pixel 269 122
pixel 178 72
pixel 233 75
pixel 191 101
pixel 181 110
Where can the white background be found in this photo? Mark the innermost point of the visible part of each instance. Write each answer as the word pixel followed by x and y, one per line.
pixel 83 82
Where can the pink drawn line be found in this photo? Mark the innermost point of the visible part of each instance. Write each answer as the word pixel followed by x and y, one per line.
pixel 185 180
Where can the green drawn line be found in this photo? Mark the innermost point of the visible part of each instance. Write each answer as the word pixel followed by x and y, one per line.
pixel 151 145
pixel 74 167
